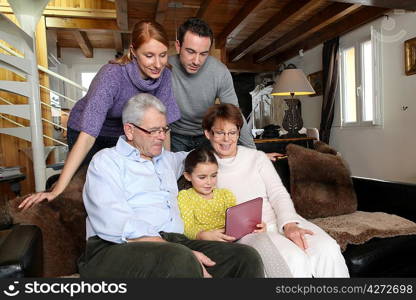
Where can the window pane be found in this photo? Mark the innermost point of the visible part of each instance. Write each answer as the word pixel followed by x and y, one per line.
pixel 350 105
pixel 367 75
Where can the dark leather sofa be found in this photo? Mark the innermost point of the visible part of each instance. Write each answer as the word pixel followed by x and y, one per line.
pixel 21 245
pixel 379 257
pixel 20 251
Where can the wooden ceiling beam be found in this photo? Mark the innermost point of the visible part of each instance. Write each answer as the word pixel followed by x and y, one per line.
pixel 247 65
pixel 118 42
pixel 161 10
pixel 290 10
pixel 81 24
pixel 398 4
pixel 327 16
pixel 69 12
pixel 201 13
pixel 237 23
pixel 353 21
pixel 122 18
pixel 84 43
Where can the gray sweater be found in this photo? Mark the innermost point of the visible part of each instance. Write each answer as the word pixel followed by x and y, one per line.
pixel 195 93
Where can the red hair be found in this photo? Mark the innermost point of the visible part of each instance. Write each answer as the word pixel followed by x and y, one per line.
pixel 143 32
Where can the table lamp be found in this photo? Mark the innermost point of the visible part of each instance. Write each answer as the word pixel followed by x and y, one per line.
pixel 293 82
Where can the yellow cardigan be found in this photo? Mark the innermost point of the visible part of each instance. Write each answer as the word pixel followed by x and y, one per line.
pixel 199 214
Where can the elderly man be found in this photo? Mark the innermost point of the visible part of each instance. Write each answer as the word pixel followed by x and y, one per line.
pixel 197 80
pixel 134 228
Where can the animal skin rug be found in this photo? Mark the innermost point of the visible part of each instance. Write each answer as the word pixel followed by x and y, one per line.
pixel 359 227
pixel 62 223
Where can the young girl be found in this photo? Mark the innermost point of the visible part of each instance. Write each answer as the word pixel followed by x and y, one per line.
pixel 203 209
pixel 203 206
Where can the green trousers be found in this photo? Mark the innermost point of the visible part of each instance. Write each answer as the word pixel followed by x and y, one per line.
pixel 103 259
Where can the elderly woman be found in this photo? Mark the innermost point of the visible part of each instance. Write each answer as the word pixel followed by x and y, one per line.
pixel 307 249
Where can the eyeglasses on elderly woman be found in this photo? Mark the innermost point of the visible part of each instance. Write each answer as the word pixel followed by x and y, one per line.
pixel 218 134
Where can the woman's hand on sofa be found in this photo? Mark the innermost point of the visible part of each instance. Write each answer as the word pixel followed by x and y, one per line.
pixel 297 234
pixel 36 198
pixel 214 235
pixel 273 156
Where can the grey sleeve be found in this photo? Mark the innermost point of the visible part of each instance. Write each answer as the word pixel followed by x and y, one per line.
pixel 227 95
pixel 246 139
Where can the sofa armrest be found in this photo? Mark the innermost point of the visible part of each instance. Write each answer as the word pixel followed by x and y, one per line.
pixel 386 196
pixel 21 252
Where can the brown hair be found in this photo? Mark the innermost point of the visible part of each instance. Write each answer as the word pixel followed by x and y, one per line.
pixel 225 112
pixel 196 26
pixel 201 154
pixel 143 31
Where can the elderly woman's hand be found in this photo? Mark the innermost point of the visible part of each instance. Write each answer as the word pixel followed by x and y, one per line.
pixel 273 156
pixel 296 234
pixel 262 227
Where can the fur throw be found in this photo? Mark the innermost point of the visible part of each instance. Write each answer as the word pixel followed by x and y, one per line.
pixel 359 227
pixel 320 183
pixel 324 148
pixel 62 223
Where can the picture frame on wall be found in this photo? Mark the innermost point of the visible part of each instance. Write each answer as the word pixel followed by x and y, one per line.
pixel 316 80
pixel 410 56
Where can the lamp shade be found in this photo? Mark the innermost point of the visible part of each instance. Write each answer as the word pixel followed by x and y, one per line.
pixel 293 82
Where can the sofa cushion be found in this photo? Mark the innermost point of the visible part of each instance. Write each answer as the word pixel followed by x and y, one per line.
pixel 324 148
pixel 360 227
pixel 320 183
pixel 62 223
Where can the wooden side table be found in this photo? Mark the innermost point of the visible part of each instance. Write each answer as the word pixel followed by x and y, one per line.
pixel 279 145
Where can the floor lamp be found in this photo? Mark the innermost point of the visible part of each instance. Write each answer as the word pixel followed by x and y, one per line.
pixel 293 82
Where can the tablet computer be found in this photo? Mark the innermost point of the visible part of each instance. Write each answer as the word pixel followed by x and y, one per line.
pixel 243 218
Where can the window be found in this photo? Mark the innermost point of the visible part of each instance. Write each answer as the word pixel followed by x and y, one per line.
pixel 86 78
pixel 360 81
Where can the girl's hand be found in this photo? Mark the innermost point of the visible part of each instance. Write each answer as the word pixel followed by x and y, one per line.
pixel 214 235
pixel 260 228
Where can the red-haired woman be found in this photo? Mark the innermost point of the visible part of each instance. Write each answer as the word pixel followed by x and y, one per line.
pixel 95 120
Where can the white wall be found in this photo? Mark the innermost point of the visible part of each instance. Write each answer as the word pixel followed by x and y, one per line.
pixel 74 63
pixel 388 152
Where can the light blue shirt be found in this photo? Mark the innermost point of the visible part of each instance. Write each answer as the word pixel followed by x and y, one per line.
pixel 128 197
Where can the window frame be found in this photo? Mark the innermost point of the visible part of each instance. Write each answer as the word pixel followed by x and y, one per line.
pixel 358 45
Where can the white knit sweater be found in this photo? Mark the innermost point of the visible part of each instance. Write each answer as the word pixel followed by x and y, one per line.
pixel 251 174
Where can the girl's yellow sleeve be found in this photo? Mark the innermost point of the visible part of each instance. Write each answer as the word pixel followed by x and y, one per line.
pixel 186 207
pixel 229 198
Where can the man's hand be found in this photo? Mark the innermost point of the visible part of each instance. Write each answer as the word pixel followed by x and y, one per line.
pixel 297 235
pixel 273 156
pixel 260 228
pixel 204 261
pixel 215 235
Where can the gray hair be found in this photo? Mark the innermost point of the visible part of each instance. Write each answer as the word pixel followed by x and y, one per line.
pixel 136 106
